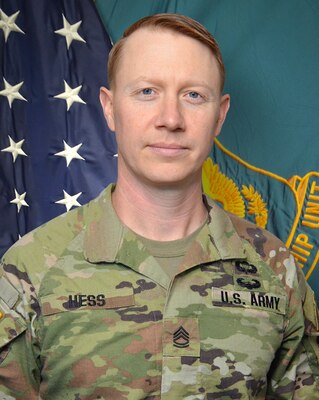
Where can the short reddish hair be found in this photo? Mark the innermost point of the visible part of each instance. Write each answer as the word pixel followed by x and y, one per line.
pixel 176 23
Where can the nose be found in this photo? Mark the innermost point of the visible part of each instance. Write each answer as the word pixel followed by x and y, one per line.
pixel 170 114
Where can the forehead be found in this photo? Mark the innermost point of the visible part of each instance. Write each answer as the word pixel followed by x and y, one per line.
pixel 153 37
pixel 164 49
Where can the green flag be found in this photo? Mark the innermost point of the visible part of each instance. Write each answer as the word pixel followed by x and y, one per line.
pixel 270 50
pixel 288 208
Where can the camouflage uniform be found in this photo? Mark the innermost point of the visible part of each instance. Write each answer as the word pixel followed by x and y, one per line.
pixel 88 313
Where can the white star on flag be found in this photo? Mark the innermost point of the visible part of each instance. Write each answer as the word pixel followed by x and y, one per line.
pixel 7 24
pixel 12 92
pixel 70 31
pixel 70 153
pixel 70 95
pixel 48 48
pixel 19 200
pixel 15 149
pixel 69 201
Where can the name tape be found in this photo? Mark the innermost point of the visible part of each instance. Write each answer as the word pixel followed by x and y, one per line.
pixel 265 301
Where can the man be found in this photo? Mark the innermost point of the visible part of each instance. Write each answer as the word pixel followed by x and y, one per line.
pixel 152 291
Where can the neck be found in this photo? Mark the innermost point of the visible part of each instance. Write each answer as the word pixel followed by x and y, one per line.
pixel 159 213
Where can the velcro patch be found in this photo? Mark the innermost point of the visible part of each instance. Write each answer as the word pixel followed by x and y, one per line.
pixel 260 300
pixel 181 337
pixel 55 303
pixel 8 293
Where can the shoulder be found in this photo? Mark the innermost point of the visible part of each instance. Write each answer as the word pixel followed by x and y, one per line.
pixel 39 258
pixel 254 239
pixel 275 254
pixel 51 239
pixel 266 244
pixel 263 248
pixel 270 249
pixel 30 260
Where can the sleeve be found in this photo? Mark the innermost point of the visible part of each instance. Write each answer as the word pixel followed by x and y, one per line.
pixel 295 372
pixel 19 370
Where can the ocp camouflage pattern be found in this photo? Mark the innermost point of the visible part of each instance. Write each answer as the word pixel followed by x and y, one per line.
pixel 87 313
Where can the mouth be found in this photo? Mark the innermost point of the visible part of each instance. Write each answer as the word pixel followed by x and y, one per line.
pixel 167 149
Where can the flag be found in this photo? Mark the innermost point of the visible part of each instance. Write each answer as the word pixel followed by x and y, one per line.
pixel 287 208
pixel 56 151
pixel 265 162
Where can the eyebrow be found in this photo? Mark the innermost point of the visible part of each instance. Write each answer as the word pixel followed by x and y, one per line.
pixel 190 83
pixel 138 80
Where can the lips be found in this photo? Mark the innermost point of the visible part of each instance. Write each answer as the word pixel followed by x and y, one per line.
pixel 167 149
pixel 168 146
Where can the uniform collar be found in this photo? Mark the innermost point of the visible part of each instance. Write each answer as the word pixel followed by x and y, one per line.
pixel 108 240
pixel 104 231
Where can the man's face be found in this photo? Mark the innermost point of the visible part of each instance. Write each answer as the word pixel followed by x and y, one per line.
pixel 165 108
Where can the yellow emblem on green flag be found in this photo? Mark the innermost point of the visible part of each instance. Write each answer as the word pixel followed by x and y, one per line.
pixel 287 208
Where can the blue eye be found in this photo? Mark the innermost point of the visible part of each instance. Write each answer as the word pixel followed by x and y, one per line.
pixel 147 91
pixel 194 95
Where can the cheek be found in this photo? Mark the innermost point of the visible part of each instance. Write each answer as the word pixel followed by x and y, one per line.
pixel 128 119
pixel 127 137
pixel 203 129
pixel 205 118
pixel 205 141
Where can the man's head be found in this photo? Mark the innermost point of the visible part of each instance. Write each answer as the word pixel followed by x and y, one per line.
pixel 175 23
pixel 165 104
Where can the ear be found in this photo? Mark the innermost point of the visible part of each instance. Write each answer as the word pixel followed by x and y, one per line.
pixel 106 99
pixel 223 110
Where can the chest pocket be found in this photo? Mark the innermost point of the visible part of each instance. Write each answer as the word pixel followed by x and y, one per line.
pixel 78 314
pixel 98 332
pixel 82 321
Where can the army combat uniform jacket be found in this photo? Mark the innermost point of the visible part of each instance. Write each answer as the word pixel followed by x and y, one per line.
pixel 88 313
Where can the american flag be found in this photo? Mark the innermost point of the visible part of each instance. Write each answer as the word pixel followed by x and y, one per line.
pixel 56 151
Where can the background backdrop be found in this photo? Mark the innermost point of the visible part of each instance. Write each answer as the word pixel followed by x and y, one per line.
pixel 265 166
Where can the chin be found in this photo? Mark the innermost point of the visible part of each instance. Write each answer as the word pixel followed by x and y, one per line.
pixel 170 182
